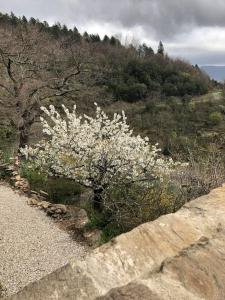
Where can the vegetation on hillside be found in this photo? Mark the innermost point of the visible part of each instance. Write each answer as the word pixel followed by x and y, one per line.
pixel 42 64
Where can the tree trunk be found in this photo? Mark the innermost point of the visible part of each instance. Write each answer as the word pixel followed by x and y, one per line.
pixel 97 199
pixel 23 137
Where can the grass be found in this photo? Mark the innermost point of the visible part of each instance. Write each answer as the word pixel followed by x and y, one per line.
pixel 60 190
pixel 101 221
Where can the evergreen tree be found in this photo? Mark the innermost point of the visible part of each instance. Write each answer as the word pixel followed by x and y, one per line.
pixel 113 41
pixel 145 51
pixel 161 48
pixel 86 37
pixel 95 38
pixel 55 30
pixel 46 25
pixel 14 19
pixel 24 20
pixel 64 30
pixel 106 39
pixel 76 35
pixel 32 21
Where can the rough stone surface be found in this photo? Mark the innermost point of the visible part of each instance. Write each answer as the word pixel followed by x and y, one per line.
pixel 31 245
pixel 178 256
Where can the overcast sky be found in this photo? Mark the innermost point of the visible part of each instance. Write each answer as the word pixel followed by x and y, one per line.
pixel 191 29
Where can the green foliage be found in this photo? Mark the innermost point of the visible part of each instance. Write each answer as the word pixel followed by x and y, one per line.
pixel 36 178
pixel 60 190
pixel 102 222
pixel 109 232
pixel 136 79
pixel 4 159
pixel 216 118
pixel 125 207
pixel 7 139
pixel 130 74
pixel 160 48
pixel 131 91
pixel 128 206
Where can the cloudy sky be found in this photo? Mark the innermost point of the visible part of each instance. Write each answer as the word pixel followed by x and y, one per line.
pixel 191 29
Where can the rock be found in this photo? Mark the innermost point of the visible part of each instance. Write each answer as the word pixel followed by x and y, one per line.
pixel 55 216
pixel 81 223
pixel 82 214
pixel 4 165
pixel 41 198
pixel 93 237
pixel 10 168
pixel 33 192
pixel 17 177
pixel 177 256
pixel 32 201
pixel 14 173
pixel 134 291
pixel 76 212
pixel 50 210
pixel 62 207
pixel 18 183
pixel 44 204
pixel 43 194
pixel 73 211
pixel 35 196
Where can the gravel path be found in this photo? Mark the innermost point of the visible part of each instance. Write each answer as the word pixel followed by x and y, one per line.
pixel 31 245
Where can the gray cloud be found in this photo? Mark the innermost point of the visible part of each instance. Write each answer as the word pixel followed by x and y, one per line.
pixel 164 18
pixel 158 19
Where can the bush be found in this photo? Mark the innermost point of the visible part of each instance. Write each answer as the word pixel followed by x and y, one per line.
pixel 216 118
pixel 205 172
pixel 36 178
pixel 60 190
pixel 7 140
pixel 103 222
pixel 130 92
pixel 126 207
pixel 4 159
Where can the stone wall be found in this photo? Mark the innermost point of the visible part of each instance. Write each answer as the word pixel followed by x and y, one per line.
pixel 178 256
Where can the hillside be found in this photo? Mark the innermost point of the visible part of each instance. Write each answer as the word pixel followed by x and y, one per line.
pixel 44 65
pixel 166 99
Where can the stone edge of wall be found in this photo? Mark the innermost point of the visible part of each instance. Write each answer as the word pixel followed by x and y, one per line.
pixel 133 256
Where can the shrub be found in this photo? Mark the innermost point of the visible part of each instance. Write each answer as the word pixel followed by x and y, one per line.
pixel 216 118
pixel 206 171
pixel 4 159
pixel 60 190
pixel 131 92
pixel 103 222
pixel 7 140
pixel 129 206
pixel 36 178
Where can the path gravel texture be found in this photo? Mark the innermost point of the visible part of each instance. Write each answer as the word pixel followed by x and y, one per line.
pixel 31 244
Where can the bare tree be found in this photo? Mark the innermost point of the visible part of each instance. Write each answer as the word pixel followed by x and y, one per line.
pixel 35 68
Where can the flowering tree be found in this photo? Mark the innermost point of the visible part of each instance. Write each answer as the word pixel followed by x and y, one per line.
pixel 96 152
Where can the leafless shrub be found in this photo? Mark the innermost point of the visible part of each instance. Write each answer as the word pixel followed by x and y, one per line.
pixel 205 172
pixel 131 205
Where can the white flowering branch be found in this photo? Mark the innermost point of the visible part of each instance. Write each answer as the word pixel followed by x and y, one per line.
pixel 96 152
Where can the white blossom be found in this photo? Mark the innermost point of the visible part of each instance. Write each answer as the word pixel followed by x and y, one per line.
pixel 96 151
